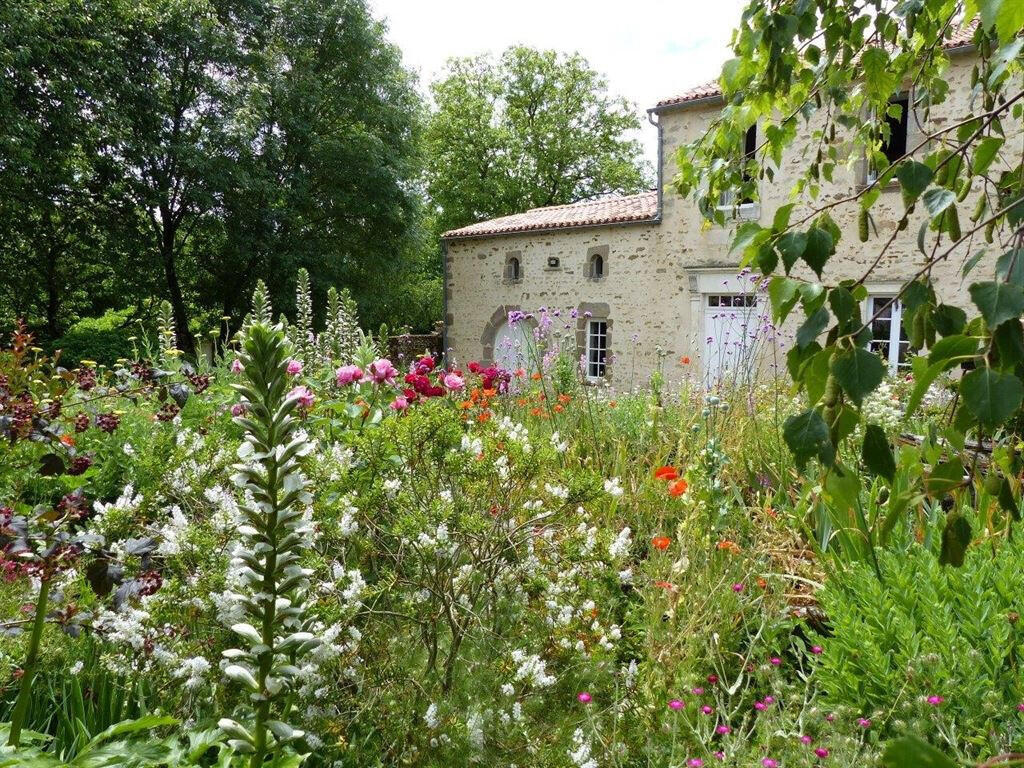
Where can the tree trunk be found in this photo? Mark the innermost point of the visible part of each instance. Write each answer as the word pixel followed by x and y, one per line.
pixel 167 251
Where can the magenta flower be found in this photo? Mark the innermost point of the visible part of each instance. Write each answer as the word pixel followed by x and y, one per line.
pixel 400 403
pixel 294 368
pixel 676 704
pixel 707 710
pixel 821 752
pixel 760 706
pixel 348 374
pixel 737 587
pixel 236 366
pixel 382 371
pixel 712 679
pixel 722 730
pixel 769 763
pixel 304 395
pixel 720 755
pixel 935 700
pixel 769 700
pixel 695 762
pixel 1020 707
pixel 584 697
pixel 817 650
pixel 775 661
pixel 805 739
pixel 454 382
pixel 698 691
pixel 238 409
pixel 830 717
pixel 863 722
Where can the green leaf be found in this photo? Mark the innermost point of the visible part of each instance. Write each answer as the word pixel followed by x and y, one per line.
pixel 1009 341
pixel 948 319
pixel 938 199
pixel 746 234
pixel 792 246
pixel 876 453
pixel 912 752
pixel 998 302
pixel 815 375
pixel 956 536
pixel 984 153
pixel 767 259
pixel 1007 500
pixel 991 396
pixel 858 371
pixel 820 245
pixel 844 306
pixel 951 350
pixel 807 436
pixel 781 219
pixel 1010 267
pixel 1009 20
pixel 783 293
pixel 944 478
pixel 812 328
pixel 914 179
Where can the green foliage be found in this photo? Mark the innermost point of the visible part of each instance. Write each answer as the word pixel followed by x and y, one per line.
pixel 105 339
pixel 929 631
pixel 533 128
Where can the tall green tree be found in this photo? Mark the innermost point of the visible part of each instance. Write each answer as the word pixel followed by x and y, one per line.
pixel 532 128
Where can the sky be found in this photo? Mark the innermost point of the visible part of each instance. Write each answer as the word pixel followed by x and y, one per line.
pixel 647 49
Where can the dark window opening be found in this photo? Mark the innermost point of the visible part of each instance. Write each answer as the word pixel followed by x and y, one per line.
pixel 512 269
pixel 597 266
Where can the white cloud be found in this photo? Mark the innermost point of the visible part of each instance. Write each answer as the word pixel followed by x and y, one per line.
pixel 648 49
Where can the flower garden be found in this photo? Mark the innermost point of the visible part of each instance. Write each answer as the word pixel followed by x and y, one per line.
pixel 302 552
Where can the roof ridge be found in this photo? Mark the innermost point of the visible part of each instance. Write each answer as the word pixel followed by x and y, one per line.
pixel 588 201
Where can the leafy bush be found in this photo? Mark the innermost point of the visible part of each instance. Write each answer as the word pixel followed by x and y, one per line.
pixel 103 339
pixel 931 649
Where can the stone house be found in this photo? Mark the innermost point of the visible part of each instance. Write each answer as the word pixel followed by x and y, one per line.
pixel 653 286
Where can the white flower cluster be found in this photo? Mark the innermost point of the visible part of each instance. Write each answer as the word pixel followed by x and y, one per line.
pixel 531 669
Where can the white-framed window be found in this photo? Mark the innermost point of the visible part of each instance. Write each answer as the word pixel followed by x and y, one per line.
pixel 746 207
pixel 513 269
pixel 888 336
pixel 732 300
pixel 895 145
pixel 597 348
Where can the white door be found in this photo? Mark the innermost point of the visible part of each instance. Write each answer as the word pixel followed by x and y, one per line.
pixel 731 326
pixel 509 347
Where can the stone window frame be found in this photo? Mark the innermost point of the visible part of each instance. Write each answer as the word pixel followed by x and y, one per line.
pixel 864 176
pixel 507 275
pixel 498 318
pixel 585 312
pixel 598 251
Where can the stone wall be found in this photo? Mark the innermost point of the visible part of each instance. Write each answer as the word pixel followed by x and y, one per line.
pixel 656 274
pixel 408 346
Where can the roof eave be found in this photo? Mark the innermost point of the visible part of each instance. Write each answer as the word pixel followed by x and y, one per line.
pixel 703 100
pixel 446 237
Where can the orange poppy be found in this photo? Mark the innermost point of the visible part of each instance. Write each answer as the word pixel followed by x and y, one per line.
pixel 661 542
pixel 666 473
pixel 684 360
pixel 466 405
pixel 762 583
pixel 535 411
pixel 564 398
pixel 483 416
pixel 667 585
pixel 678 488
pixel 522 401
pixel 67 439
pixel 612 403
pixel 559 407
pixel 520 372
pixel 731 546
pixel 535 376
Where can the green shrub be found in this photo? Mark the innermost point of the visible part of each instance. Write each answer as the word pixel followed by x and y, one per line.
pixel 102 339
pixel 933 650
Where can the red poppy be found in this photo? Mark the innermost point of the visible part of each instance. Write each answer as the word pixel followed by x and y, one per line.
pixel 684 360
pixel 666 585
pixel 661 542
pixel 678 488
pixel 665 473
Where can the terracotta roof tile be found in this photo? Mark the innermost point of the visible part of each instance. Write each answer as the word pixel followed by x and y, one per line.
pixel 610 210
pixel 960 38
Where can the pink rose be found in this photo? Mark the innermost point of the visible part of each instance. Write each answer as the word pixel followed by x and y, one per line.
pixel 304 395
pixel 382 371
pixel 453 381
pixel 294 367
pixel 400 403
pixel 236 366
pixel 348 374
